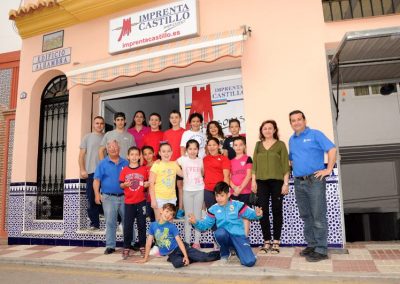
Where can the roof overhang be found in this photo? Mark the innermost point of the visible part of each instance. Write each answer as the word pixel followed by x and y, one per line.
pixel 367 56
pixel 49 15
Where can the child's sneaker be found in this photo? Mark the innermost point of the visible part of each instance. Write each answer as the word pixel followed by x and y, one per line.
pixel 142 251
pixel 180 214
pixel 154 251
pixel 222 262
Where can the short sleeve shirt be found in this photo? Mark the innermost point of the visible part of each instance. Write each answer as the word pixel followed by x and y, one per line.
pixel 213 170
pixel 139 135
pixel 173 138
pixel 136 176
pixel 239 169
pixel 153 139
pixel 165 179
pixel 124 139
pixel 192 173
pixel 108 173
pixel 91 143
pixel 307 151
pixel 199 136
pixel 165 236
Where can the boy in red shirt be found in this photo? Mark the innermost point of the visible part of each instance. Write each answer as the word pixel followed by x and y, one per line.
pixel 155 136
pixel 173 137
pixel 133 180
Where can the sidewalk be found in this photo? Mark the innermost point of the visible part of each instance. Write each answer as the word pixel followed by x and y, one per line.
pixel 372 260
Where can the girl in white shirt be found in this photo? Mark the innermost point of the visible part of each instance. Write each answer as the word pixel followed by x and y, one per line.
pixel 193 188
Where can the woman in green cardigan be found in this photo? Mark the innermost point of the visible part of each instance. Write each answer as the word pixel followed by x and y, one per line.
pixel 270 179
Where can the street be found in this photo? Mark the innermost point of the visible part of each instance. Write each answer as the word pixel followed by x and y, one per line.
pixel 28 274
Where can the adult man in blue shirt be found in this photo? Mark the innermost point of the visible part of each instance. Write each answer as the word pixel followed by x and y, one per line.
pixel 112 196
pixel 307 148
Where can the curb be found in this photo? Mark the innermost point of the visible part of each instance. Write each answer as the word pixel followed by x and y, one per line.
pixel 198 270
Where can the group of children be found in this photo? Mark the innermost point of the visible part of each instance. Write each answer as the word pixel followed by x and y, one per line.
pixel 219 181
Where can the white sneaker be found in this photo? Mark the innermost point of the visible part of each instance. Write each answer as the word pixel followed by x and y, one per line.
pixel 222 262
pixel 154 251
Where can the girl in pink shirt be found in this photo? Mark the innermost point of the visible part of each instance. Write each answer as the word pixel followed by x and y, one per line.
pixel 240 180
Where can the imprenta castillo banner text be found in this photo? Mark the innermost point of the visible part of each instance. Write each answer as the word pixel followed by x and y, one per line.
pixel 169 22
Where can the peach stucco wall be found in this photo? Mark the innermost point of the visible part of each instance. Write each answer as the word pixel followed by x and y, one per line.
pixel 283 68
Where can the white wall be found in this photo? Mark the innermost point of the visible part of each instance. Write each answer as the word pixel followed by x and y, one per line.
pixel 368 120
pixel 9 38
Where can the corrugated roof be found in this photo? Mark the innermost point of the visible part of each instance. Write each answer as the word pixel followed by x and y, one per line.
pixel 364 56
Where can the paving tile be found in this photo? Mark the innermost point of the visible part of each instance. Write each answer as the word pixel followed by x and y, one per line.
pixel 274 261
pixel 354 266
pixel 388 266
pixel 21 247
pixel 109 258
pixel 385 254
pixel 60 248
pixel 39 247
pixel 82 249
pixel 39 254
pixel 7 251
pixel 61 255
pixel 19 253
pixel 82 256
pixel 354 254
pixel 300 263
pixel 99 250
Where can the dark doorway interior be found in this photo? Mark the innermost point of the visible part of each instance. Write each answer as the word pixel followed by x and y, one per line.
pixel 161 102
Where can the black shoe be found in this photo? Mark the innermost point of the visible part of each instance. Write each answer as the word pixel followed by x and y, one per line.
pixel 307 251
pixel 109 251
pixel 316 256
pixel 134 248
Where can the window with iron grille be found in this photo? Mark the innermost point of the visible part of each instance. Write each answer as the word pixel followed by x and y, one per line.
pixel 337 10
pixel 52 148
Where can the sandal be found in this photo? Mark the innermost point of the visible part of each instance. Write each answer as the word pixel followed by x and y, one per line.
pixel 265 249
pixel 142 251
pixel 125 254
pixel 275 248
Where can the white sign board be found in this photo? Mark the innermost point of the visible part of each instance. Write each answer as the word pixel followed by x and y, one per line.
pixel 220 101
pixel 51 59
pixel 149 27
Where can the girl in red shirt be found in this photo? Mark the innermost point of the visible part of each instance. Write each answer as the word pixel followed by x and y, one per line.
pixel 216 169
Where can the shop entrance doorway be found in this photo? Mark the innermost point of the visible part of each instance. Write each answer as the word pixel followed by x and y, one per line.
pixel 161 102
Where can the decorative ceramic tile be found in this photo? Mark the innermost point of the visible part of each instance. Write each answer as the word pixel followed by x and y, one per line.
pixel 22 212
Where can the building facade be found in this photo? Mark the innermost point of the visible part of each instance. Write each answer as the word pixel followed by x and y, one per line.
pixel 85 58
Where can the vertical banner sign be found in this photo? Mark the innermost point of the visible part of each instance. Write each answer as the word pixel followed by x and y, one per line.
pixel 169 22
pixel 220 101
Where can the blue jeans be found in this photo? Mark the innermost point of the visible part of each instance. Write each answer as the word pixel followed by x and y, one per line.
pixel 311 201
pixel 194 255
pixel 93 209
pixel 240 244
pixel 112 205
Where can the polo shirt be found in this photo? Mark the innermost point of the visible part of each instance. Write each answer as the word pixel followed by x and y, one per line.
pixel 306 151
pixel 108 173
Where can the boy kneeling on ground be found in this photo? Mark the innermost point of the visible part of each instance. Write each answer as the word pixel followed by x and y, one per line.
pixel 227 215
pixel 170 244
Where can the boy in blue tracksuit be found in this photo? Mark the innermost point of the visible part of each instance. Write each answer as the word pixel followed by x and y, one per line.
pixel 227 215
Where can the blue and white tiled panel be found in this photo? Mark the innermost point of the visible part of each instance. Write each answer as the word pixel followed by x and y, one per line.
pixel 292 230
